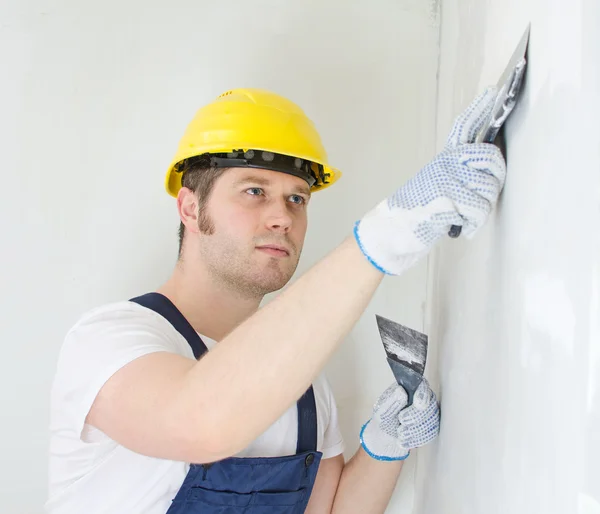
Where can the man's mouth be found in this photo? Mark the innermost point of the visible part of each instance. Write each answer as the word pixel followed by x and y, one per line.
pixel 274 250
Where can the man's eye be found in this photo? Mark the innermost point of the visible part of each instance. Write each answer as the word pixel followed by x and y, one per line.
pixel 254 191
pixel 297 199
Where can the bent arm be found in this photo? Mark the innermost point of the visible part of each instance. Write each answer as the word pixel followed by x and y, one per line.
pixel 171 407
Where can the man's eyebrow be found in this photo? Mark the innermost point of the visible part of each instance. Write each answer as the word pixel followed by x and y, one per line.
pixel 303 190
pixel 262 181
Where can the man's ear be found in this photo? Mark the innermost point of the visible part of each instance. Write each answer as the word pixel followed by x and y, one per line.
pixel 187 205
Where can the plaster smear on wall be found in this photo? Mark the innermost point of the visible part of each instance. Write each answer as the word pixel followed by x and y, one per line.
pixel 434 12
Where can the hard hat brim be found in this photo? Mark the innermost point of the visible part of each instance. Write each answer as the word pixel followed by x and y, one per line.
pixel 317 180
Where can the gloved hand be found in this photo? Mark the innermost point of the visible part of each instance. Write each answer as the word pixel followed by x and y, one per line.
pixel 395 428
pixel 460 186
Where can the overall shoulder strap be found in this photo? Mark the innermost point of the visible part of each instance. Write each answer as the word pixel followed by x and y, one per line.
pixel 307 422
pixel 163 306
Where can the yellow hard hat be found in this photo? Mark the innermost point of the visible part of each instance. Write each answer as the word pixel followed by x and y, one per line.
pixel 254 128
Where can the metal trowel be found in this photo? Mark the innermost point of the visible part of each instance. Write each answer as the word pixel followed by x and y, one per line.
pixel 406 351
pixel 509 87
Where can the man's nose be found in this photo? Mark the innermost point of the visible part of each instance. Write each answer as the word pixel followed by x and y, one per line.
pixel 278 217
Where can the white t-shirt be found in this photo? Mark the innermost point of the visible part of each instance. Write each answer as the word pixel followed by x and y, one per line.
pixel 92 474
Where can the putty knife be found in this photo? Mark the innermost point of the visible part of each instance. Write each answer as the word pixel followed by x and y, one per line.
pixel 406 351
pixel 509 86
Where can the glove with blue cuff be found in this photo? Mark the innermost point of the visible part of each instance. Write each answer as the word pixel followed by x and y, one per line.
pixel 394 429
pixel 460 186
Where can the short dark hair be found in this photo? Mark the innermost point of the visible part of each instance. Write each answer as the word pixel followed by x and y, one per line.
pixel 199 176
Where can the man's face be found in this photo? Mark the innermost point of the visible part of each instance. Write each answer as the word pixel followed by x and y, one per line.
pixel 259 220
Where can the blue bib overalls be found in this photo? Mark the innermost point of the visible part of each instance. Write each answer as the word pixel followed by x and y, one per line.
pixel 262 485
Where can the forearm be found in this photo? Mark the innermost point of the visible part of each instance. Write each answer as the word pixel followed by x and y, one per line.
pixel 366 485
pixel 261 368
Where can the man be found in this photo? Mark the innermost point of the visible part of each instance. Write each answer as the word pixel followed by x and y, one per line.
pixel 192 399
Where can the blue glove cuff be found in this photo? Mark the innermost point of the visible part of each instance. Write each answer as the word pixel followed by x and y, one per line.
pixel 362 249
pixel 377 457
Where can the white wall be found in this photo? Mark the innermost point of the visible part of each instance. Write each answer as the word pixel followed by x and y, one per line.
pixel 93 100
pixel 514 316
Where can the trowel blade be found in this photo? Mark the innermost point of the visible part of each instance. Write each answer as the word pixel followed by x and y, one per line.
pixel 509 86
pixel 406 351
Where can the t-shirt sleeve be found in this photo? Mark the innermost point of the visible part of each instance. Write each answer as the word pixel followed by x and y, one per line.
pixel 98 345
pixel 333 442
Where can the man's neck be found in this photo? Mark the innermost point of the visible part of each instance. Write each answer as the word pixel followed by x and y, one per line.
pixel 212 308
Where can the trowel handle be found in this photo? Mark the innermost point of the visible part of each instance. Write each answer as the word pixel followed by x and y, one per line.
pixel 411 394
pixel 408 378
pixel 455 231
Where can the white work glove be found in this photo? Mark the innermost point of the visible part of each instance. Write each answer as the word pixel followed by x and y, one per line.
pixel 395 428
pixel 460 186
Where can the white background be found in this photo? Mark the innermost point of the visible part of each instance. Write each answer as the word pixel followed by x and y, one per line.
pixel 93 99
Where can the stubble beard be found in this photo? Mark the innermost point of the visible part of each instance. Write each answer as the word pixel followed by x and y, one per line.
pixel 237 271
